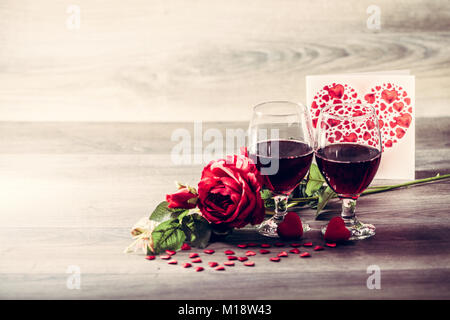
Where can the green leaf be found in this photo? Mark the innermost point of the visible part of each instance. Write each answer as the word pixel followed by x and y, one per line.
pixel 315 181
pixel 163 213
pixel 324 197
pixel 168 236
pixel 266 194
pixel 197 229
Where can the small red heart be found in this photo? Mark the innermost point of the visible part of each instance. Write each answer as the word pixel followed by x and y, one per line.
pixel 242 246
pixel 249 263
pixel 265 245
pixel 275 259
pixel 232 257
pixel 283 254
pixel 398 106
pixel 187 265
pixel 305 255
pixel 295 251
pixel 208 251
pixel 336 92
pixel 199 269
pixel 185 247
pixel 229 263
pixel 220 268
pixel 389 95
pixel 171 252
pixel 404 120
pixel 229 252
pixel 291 227
pixel 196 260
pixel 250 253
pixel 264 251
pixel 336 230
pixel 213 264
pixel 172 262
pixel 150 257
pixel 193 255
pixel 242 258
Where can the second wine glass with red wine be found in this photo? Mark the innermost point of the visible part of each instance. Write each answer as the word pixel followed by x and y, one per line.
pixel 281 145
pixel 348 154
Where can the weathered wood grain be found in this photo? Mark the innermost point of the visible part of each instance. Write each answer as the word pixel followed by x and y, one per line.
pixel 178 61
pixel 70 192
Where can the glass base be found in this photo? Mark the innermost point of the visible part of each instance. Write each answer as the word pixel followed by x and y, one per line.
pixel 358 230
pixel 269 227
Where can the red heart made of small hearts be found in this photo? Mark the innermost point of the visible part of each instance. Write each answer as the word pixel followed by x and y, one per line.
pixel 336 230
pixel 291 227
pixel 392 105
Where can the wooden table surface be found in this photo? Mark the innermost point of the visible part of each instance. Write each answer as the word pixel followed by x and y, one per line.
pixel 71 191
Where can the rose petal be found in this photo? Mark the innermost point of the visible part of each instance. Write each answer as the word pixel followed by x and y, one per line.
pixel 249 263
pixel 308 244
pixel 229 263
pixel 193 255
pixel 250 253
pixel 150 257
pixel 198 269
pixel 213 264
pixel 283 254
pixel 318 248
pixel 208 251
pixel 295 251
pixel 187 265
pixel 242 258
pixel 228 252
pixel 264 251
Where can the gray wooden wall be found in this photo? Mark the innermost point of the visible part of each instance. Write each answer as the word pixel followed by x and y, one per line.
pixel 178 60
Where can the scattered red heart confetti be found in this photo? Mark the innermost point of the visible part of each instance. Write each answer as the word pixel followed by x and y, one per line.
pixel 242 246
pixel 331 245
pixel 165 257
pixel 213 264
pixel 295 245
pixel 171 252
pixel 172 262
pixel 308 244
pixel 193 255
pixel 291 226
pixel 265 245
pixel 150 257
pixel 252 244
pixel 279 244
pixel 220 268
pixel 275 259
pixel 336 230
pixel 228 252
pixel 187 265
pixel 208 251
pixel 264 251
pixel 196 260
pixel 229 263
pixel 249 263
pixel 250 253
pixel 305 255
pixel 295 250
pixel 283 254
pixel 185 247
pixel 318 248
pixel 232 257
pixel 242 258
pixel 198 269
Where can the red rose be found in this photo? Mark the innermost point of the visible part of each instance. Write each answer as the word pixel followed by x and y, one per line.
pixel 229 192
pixel 183 198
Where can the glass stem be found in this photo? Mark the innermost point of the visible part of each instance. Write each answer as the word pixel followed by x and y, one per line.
pixel 348 211
pixel 280 206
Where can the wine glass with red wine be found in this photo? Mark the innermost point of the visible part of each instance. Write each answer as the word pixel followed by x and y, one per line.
pixel 348 153
pixel 281 145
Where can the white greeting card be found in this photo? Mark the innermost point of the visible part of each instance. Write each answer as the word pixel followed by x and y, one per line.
pixel 392 95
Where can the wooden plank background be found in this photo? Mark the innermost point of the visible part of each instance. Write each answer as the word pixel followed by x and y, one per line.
pixel 175 60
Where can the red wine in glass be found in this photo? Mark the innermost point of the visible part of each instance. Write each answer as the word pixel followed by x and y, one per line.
pixel 294 159
pixel 348 168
